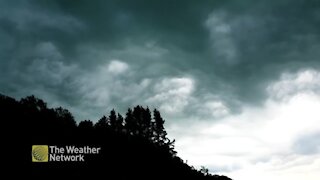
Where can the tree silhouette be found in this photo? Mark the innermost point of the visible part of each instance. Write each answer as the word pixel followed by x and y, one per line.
pixel 33 103
pixel 65 117
pixel 130 123
pixel 137 127
pixel 119 124
pixel 159 131
pixel 147 123
pixel 113 119
pixel 102 124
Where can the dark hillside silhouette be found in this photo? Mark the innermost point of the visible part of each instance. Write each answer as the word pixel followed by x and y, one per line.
pixel 134 146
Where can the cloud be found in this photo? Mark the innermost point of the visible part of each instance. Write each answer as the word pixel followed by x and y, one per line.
pixel 277 140
pixel 107 84
pixel 47 50
pixel 41 66
pixel 176 98
pixel 28 17
pixel 215 109
pixel 231 54
pixel 308 144
pixel 117 67
pixel 290 84
pixel 172 94
pixel 221 36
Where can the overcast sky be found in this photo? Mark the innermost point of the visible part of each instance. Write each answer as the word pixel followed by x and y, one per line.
pixel 238 82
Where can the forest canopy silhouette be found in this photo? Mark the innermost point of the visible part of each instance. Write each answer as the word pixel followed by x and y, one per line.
pixel 134 145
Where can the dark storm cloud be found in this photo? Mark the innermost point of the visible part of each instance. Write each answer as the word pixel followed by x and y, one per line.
pixel 61 50
pixel 265 39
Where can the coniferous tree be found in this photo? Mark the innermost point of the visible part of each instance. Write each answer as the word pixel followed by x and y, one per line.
pixel 113 119
pixel 147 123
pixel 159 131
pixel 103 123
pixel 129 122
pixel 119 125
pixel 137 118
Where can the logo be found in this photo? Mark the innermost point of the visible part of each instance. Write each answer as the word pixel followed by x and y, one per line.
pixel 50 153
pixel 40 153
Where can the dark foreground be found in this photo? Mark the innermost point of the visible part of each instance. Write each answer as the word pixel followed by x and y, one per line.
pixel 131 147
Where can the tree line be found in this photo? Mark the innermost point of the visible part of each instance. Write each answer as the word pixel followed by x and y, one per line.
pixel 133 146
